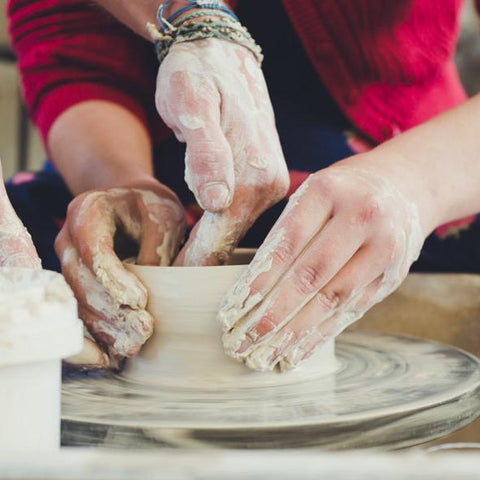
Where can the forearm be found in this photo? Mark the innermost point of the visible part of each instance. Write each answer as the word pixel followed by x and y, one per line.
pixel 136 14
pixel 98 144
pixel 437 164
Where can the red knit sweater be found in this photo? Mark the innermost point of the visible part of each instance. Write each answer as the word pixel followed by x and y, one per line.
pixel 387 64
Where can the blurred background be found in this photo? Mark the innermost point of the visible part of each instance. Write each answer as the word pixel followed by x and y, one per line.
pixel 21 148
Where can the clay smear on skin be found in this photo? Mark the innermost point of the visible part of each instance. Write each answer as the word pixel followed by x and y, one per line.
pixel 349 312
pixel 17 249
pixel 259 355
pixel 129 328
pixel 168 216
pixel 244 97
pixel 123 286
pixel 239 302
pixel 119 289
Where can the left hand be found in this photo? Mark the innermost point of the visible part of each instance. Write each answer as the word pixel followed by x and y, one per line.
pixel 345 241
pixel 213 95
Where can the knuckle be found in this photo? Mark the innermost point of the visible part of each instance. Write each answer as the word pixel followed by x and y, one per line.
pixel 322 182
pixel 284 253
pixel 267 324
pixel 370 210
pixel 328 300
pixel 59 243
pixel 72 207
pixel 281 185
pixel 307 279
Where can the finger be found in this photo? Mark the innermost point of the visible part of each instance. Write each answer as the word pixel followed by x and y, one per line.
pixel 91 357
pixel 193 110
pixel 92 229
pixel 304 216
pixel 18 251
pixel 162 229
pixel 209 167
pixel 325 256
pixel 120 329
pixel 213 239
pixel 16 246
pixel 330 328
pixel 339 299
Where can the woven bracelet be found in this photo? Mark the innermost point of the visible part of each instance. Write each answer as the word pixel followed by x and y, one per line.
pixel 223 27
pixel 165 23
pixel 204 5
pixel 200 14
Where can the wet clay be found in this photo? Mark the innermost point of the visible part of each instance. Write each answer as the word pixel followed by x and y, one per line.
pixel 186 345
pixel 377 391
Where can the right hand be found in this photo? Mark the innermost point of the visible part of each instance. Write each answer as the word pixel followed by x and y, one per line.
pixel 111 300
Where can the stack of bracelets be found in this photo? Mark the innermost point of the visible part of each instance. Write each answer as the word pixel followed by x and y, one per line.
pixel 215 21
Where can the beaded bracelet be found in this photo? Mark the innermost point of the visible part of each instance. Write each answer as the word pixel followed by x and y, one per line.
pixel 204 5
pixel 224 27
pixel 165 23
pixel 200 14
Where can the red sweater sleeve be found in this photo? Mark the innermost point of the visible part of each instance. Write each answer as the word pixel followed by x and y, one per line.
pixel 70 51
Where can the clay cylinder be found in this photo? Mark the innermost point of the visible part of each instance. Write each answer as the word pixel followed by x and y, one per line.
pixel 186 347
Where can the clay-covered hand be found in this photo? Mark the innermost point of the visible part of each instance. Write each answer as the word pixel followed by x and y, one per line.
pixel 345 241
pixel 213 95
pixel 111 300
pixel 16 246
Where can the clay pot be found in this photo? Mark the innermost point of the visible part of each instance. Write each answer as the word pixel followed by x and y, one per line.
pixel 186 345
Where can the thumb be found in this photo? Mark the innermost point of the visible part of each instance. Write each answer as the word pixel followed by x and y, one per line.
pixel 209 169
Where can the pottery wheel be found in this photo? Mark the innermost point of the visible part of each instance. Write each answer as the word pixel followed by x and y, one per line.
pixel 386 391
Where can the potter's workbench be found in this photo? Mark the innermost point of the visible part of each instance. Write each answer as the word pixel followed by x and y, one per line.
pixel 218 465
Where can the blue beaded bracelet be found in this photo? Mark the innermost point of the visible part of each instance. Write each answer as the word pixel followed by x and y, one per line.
pixel 165 24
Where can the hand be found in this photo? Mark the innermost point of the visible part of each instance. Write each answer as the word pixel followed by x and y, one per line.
pixel 345 241
pixel 213 95
pixel 16 247
pixel 111 300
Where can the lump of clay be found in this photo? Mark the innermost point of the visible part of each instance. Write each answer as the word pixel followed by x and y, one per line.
pixel 38 316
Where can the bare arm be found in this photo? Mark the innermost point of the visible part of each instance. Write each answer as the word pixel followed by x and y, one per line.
pixel 136 14
pixel 98 144
pixel 439 161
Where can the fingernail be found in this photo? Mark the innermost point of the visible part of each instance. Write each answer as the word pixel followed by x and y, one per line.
pixel 307 355
pixel 246 344
pixel 215 196
pixel 133 352
pixel 296 356
pixel 263 328
pixel 288 341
